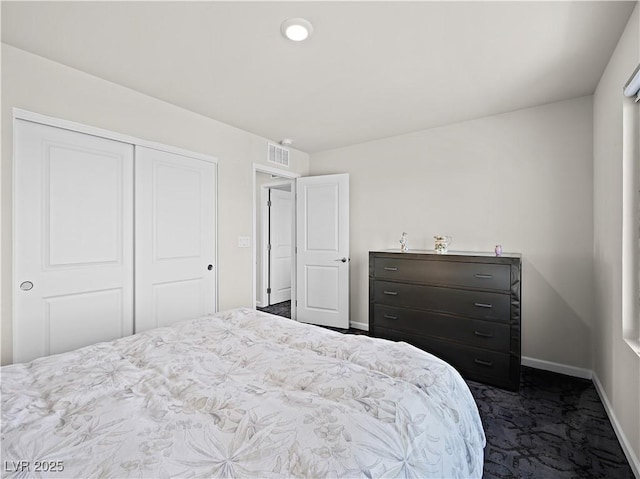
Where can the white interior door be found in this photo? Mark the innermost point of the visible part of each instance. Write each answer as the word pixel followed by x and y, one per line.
pixel 322 212
pixel 73 243
pixel 280 241
pixel 174 238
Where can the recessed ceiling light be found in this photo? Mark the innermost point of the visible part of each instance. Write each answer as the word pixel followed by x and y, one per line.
pixel 296 29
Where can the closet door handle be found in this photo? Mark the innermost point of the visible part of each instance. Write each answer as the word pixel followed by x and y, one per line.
pixel 391 293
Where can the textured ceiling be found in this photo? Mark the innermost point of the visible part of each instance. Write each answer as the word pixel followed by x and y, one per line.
pixel 370 70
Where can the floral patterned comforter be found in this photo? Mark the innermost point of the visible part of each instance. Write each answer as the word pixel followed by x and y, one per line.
pixel 240 394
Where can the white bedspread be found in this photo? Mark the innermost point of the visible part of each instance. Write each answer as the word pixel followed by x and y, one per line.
pixel 240 394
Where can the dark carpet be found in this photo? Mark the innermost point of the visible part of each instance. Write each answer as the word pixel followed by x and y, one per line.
pixel 555 427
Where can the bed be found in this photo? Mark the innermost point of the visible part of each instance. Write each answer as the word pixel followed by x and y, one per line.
pixel 240 394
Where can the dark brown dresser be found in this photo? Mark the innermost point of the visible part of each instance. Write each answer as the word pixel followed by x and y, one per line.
pixel 463 307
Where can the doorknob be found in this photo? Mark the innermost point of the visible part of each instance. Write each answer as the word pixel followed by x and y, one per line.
pixel 344 260
pixel 210 267
pixel 26 285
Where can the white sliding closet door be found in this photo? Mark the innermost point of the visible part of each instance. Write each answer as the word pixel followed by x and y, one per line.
pixel 73 240
pixel 174 238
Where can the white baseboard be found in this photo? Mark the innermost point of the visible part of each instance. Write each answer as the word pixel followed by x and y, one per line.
pixel 622 438
pixel 557 368
pixel 362 326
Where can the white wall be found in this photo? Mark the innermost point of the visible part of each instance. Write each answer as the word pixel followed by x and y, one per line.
pixel 42 86
pixel 522 179
pixel 616 365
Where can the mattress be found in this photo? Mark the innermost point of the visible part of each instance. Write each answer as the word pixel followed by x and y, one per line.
pixel 240 394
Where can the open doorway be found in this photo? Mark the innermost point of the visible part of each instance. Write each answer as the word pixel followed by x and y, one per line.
pixel 274 246
pixel 319 228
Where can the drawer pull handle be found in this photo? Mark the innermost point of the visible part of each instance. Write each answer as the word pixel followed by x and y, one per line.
pixel 483 276
pixel 483 335
pixel 482 362
pixel 389 268
pixel 483 305
pixel 388 316
pixel 391 293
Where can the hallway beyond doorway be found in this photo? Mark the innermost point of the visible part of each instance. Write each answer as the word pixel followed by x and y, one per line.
pixel 279 309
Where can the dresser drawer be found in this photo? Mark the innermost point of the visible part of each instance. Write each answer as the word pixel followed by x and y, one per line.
pixel 472 363
pixel 474 332
pixel 454 273
pixel 475 304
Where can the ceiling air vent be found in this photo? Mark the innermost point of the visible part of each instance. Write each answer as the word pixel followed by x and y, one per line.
pixel 278 155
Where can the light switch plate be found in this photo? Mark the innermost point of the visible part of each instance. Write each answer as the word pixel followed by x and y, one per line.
pixel 244 241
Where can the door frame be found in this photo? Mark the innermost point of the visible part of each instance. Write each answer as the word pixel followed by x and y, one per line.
pixel 289 175
pixel 20 114
pixel 265 223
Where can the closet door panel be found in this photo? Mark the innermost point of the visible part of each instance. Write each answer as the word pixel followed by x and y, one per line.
pixel 175 238
pixel 73 248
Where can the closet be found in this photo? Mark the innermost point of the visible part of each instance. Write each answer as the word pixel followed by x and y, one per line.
pixel 110 238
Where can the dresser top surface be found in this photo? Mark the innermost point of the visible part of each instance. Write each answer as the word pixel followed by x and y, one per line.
pixel 479 254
